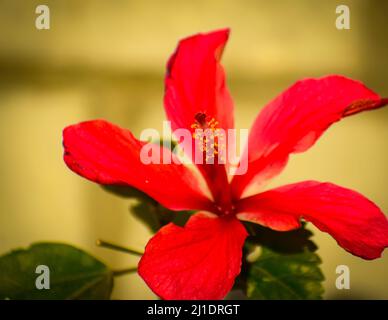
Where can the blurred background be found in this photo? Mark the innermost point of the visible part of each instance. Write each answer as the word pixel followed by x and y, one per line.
pixel 106 59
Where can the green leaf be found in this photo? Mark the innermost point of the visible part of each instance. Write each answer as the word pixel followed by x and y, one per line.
pixel 282 265
pixel 147 210
pixel 155 216
pixel 74 274
pixel 127 192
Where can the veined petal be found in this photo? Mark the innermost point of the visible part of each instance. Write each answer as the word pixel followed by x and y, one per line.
pixel 195 82
pixel 196 97
pixel 199 261
pixel 357 224
pixel 107 154
pixel 294 120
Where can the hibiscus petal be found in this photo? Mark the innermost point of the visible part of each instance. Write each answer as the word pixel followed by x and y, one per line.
pixel 198 261
pixel 195 82
pixel 107 154
pixel 196 95
pixel 355 222
pixel 293 122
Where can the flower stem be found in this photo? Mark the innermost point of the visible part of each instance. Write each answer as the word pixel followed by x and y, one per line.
pixel 122 272
pixel 109 245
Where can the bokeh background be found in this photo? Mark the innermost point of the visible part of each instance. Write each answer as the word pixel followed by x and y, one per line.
pixel 106 59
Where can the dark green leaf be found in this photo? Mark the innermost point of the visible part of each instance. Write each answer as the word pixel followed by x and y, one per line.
pixel 281 265
pixel 147 210
pixel 74 274
pixel 155 216
pixel 152 215
pixel 127 192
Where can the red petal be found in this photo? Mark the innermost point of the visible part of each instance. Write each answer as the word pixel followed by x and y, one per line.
pixel 294 120
pixel 199 261
pixel 195 88
pixel 195 82
pixel 355 222
pixel 107 154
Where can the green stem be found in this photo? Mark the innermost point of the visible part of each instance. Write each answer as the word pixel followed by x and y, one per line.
pixel 117 273
pixel 109 245
pixel 251 229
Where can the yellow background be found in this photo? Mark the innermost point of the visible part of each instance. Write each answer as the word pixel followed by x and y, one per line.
pixel 106 59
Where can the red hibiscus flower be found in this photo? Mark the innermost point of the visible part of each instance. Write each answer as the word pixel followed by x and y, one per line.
pixel 202 259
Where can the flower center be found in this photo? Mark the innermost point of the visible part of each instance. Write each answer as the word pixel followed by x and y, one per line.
pixel 226 211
